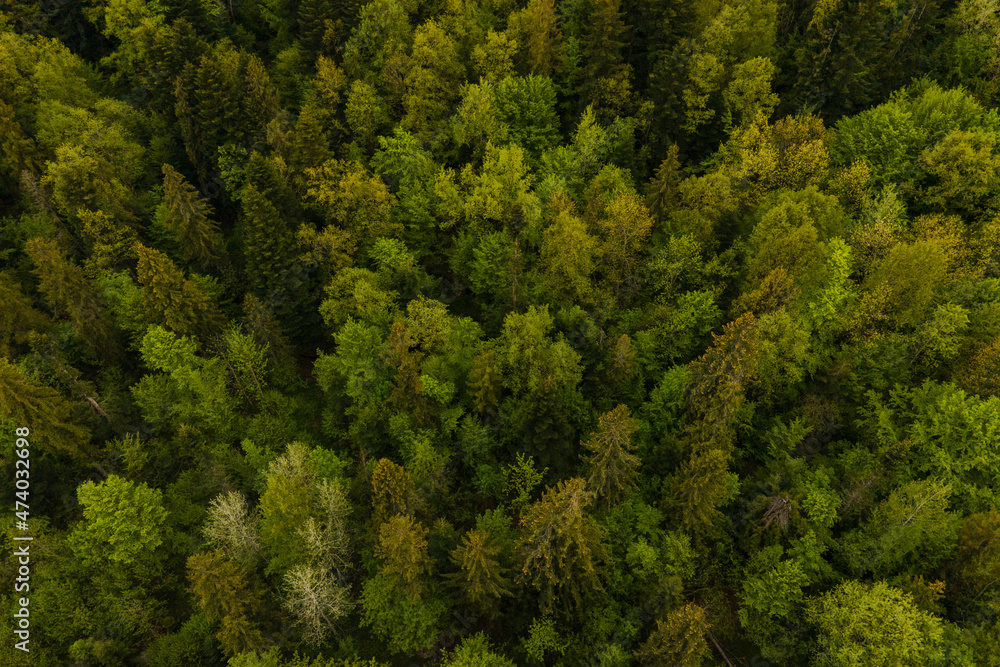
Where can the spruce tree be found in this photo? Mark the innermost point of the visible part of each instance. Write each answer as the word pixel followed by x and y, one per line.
pixel 560 547
pixel 482 579
pixel 170 299
pixel 188 217
pixel 613 466
pixel 268 242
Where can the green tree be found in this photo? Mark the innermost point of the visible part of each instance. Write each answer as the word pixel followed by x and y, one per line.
pixel 227 597
pixel 475 651
pixel 432 80
pixel 170 299
pixel 30 404
pixel 402 548
pixel 188 219
pixel 122 529
pixel 268 241
pixel 613 465
pixel 679 639
pixel 482 578
pixel 560 547
pixel 873 624
pixel 68 293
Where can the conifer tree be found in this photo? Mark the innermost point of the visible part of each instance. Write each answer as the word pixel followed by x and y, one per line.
pixel 314 18
pixel 482 579
pixel 188 217
pixel 604 37
pixel 68 292
pixel 310 146
pixel 560 546
pixel 402 548
pixel 31 405
pixel 268 242
pixel 227 598
pixel 613 466
pixel 484 384
pixel 663 194
pixel 18 317
pixel 172 300
pixel 392 491
pixel 678 640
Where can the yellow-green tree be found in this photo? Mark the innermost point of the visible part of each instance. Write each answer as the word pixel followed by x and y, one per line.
pixel 560 547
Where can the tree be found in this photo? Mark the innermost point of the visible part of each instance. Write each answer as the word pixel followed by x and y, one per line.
pixel 392 491
pixel 30 404
pixel 568 258
pixel 475 651
pixel 625 231
pixel 188 219
pixel 603 39
pixel 268 241
pixel 698 488
pixel 482 578
pixel 910 271
pixel 678 640
pixel 873 624
pixel 232 528
pixel 663 191
pixel 122 529
pixel 171 300
pixel 225 595
pixel 316 600
pixel 186 391
pixel 365 113
pixel 68 292
pixel 536 28
pixel 613 466
pixel 402 548
pixel 527 107
pixel 432 80
pixel 560 547
pixel 349 196
pixel 19 318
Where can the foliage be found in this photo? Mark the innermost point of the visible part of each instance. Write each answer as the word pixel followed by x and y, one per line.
pixel 487 332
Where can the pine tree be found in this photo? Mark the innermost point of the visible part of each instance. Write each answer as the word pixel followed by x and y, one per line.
pixel 310 146
pixel 678 640
pixel 268 242
pixel 392 491
pixel 484 385
pixel 212 106
pixel 613 466
pixel 313 17
pixel 604 37
pixel 68 292
pixel 170 299
pixel 544 38
pixel 560 546
pixel 18 317
pixel 663 195
pixel 482 578
pixel 227 598
pixel 28 404
pixel 402 548
pixel 188 217
pixel 408 391
pixel 699 487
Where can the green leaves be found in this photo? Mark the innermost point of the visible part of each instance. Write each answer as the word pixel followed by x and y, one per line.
pixel 122 528
pixel 873 624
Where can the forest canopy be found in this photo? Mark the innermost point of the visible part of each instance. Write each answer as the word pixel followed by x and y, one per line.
pixel 620 333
